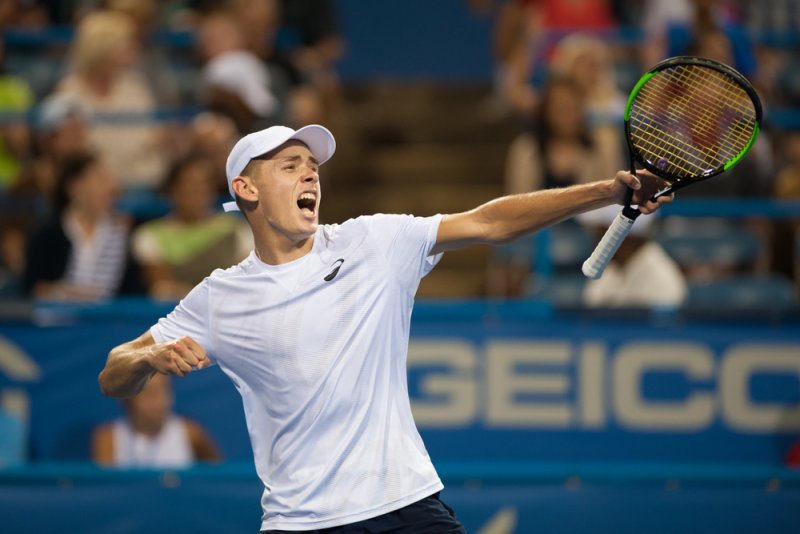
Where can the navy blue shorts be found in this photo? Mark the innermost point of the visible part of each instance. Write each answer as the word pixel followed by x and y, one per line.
pixel 428 516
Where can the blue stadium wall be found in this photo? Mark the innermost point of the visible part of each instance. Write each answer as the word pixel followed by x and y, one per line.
pixel 530 416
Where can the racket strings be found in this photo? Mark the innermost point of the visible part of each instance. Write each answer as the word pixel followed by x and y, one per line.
pixel 689 119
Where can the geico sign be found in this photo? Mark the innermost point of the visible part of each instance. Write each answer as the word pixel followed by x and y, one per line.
pixel 559 384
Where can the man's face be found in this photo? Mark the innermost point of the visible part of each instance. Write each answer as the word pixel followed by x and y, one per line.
pixel 289 191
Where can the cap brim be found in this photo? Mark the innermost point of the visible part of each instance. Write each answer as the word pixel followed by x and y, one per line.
pixel 319 140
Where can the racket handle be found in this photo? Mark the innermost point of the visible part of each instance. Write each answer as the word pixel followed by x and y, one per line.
pixel 594 266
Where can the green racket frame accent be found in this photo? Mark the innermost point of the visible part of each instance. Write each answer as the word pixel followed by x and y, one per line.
pixel 635 91
pixel 745 150
pixel 691 60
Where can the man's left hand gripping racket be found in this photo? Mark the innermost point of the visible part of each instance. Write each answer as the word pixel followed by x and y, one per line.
pixel 687 119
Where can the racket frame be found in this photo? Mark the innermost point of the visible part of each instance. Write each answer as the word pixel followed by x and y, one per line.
pixel 677 183
pixel 594 266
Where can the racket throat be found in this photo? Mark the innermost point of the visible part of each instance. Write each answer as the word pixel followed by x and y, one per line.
pixel 629 211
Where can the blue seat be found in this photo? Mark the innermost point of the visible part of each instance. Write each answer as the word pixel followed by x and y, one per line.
pixel 774 293
pixel 728 245
pixel 12 440
pixel 567 245
pixel 562 290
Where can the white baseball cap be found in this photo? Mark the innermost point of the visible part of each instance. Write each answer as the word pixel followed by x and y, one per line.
pixel 319 140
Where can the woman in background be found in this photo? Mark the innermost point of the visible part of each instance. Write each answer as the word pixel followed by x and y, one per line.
pixel 81 251
pixel 150 435
pixel 104 79
pixel 179 250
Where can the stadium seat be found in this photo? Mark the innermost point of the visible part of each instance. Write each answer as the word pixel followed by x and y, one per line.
pixel 737 294
pixel 561 290
pixel 717 244
pixel 566 245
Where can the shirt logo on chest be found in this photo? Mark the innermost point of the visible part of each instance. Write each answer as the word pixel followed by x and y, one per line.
pixel 336 266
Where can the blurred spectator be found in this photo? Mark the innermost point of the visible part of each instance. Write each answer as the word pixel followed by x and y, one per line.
pixel 260 21
pixel 561 149
pixel 513 87
pixel 16 99
pixel 105 79
pixel 66 12
pixel 657 20
pixel 152 61
pixel 13 230
pixel 310 33
pixel 754 175
pixel 587 60
pixel 81 251
pixel 792 460
pixel 526 32
pixel 214 134
pixel 787 187
pixel 60 131
pixel 710 17
pixel 236 82
pixel 177 251
pixel 150 435
pixel 641 274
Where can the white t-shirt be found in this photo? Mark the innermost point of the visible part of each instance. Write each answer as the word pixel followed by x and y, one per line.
pixel 321 368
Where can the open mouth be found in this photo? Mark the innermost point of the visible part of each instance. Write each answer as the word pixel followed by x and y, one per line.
pixel 307 203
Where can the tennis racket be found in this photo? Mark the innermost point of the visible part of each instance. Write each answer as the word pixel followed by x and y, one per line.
pixel 687 119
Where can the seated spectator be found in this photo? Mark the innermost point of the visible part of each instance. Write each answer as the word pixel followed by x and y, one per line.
pixel 561 148
pixel 641 274
pixel 179 250
pixel 587 60
pixel 786 232
pixel 214 134
pixel 60 131
pixel 235 80
pixel 13 230
pixel 312 38
pixel 105 79
pixel 150 435
pixel 260 22
pixel 16 98
pixel 81 251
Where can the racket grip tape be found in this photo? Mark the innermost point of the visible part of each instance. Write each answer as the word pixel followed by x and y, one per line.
pixel 594 266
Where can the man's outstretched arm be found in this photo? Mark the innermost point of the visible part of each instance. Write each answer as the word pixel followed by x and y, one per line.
pixel 130 365
pixel 507 218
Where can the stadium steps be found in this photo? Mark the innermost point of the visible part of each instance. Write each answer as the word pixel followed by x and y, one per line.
pixel 421 148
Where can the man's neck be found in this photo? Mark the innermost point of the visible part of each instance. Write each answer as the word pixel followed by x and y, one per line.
pixel 277 253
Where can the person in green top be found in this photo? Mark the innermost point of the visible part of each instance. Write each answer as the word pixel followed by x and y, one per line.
pixel 180 249
pixel 16 99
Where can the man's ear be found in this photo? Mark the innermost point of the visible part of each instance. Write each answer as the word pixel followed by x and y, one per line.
pixel 245 189
pixel 246 193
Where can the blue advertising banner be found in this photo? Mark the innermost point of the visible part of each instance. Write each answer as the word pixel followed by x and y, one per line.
pixel 486 389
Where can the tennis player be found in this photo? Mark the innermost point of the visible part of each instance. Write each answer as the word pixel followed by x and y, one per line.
pixel 313 330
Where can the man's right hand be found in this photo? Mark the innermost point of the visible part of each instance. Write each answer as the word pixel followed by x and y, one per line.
pixel 177 357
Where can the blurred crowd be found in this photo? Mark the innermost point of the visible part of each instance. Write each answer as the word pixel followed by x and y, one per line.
pixel 565 83
pixel 85 149
pixel 79 147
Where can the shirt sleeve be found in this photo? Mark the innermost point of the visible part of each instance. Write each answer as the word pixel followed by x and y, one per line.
pixel 189 318
pixel 406 242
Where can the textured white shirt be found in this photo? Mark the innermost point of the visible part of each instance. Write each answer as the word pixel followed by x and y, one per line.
pixel 321 368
